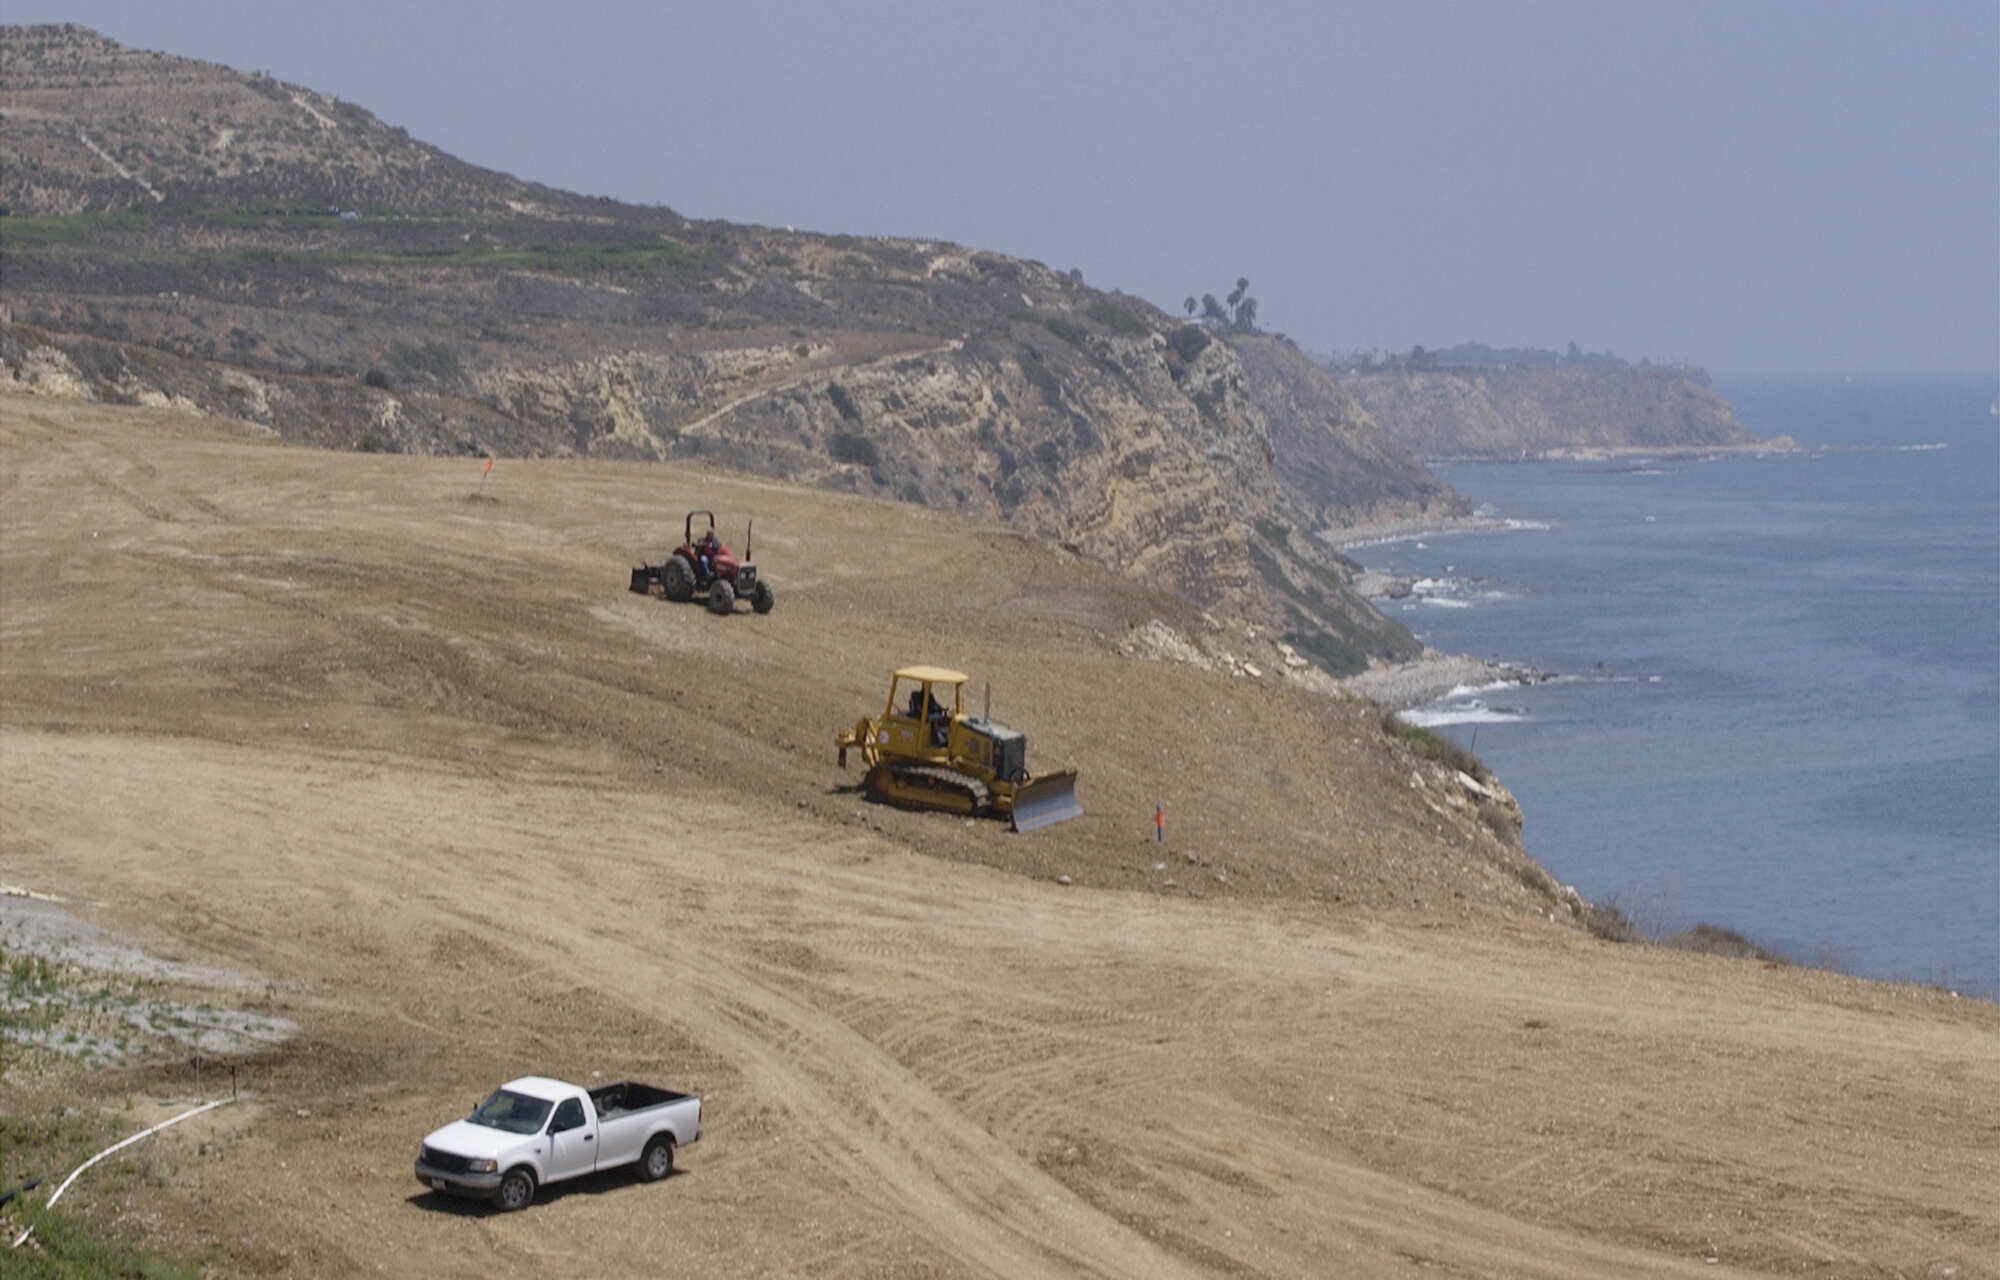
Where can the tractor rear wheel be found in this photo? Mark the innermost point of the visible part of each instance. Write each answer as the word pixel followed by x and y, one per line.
pixel 721 596
pixel 762 597
pixel 677 579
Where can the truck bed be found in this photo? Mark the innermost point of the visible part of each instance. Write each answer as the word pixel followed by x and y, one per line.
pixel 627 1096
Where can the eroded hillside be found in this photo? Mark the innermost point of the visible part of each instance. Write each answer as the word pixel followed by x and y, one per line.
pixel 182 233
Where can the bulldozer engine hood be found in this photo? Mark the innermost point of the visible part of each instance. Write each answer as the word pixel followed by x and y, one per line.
pixel 1006 750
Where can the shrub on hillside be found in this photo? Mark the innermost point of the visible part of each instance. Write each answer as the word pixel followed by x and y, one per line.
pixel 846 446
pixel 434 359
pixel 1714 940
pixel 1116 318
pixel 843 403
pixel 1607 920
pixel 1189 341
pixel 1068 330
pixel 1434 747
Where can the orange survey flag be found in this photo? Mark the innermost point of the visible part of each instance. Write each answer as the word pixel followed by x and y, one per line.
pixel 488 467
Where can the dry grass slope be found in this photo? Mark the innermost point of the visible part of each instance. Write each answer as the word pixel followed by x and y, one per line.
pixel 474 810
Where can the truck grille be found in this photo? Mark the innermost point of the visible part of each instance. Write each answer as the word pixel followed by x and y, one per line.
pixel 445 1162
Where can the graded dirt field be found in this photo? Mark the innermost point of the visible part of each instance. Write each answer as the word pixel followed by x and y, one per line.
pixel 411 754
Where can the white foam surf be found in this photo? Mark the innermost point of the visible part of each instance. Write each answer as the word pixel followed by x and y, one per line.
pixel 1434 716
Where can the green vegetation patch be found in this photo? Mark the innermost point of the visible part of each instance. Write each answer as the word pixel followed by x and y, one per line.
pixel 1068 330
pixel 436 359
pixel 52 1008
pixel 54 1012
pixel 1333 655
pixel 1715 940
pixel 1041 377
pixel 1328 634
pixel 847 446
pixel 1189 341
pixel 582 260
pixel 1274 574
pixel 843 403
pixel 71 228
pixel 1117 318
pixel 399 241
pixel 68 1245
pixel 1435 747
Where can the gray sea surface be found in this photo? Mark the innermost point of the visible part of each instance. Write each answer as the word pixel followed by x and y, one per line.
pixel 1778 703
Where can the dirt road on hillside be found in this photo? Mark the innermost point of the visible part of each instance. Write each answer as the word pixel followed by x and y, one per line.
pixel 474 811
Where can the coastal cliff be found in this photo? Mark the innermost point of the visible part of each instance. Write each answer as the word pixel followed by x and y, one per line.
pixel 1477 413
pixel 1336 467
pixel 180 233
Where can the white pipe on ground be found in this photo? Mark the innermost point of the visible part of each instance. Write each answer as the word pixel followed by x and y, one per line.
pixel 119 1146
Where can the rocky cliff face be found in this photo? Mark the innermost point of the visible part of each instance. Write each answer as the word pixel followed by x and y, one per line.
pixel 417 304
pixel 1336 468
pixel 1506 413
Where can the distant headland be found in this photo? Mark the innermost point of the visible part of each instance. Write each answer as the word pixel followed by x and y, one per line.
pixel 1473 401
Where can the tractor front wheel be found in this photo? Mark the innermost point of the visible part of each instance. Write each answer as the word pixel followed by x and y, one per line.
pixel 762 598
pixel 721 596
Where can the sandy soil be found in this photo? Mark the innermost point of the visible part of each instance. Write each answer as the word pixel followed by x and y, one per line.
pixel 472 810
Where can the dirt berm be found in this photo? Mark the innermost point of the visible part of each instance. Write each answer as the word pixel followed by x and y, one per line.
pixel 410 751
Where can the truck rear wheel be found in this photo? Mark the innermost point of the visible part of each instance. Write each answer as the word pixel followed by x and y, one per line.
pixel 657 1160
pixel 515 1191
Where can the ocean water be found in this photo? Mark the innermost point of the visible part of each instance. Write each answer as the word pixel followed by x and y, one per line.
pixel 1777 695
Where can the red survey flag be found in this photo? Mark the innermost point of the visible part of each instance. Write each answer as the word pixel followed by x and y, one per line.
pixel 488 467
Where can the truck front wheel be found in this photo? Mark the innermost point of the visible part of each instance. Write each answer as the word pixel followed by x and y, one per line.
pixel 515 1191
pixel 657 1161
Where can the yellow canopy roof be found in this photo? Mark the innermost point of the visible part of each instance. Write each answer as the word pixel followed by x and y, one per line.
pixel 932 675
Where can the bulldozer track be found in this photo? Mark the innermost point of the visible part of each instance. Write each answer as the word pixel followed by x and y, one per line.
pixel 921 786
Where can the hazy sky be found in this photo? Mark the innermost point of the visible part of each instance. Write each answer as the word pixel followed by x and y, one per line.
pixel 1752 186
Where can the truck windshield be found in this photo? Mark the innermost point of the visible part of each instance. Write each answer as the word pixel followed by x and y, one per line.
pixel 514 1112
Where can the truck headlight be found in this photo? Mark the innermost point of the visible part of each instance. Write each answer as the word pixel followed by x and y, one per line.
pixel 483 1166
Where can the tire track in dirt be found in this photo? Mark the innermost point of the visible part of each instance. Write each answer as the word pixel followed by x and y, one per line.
pixel 906 1048
pixel 908 1149
pixel 912 1152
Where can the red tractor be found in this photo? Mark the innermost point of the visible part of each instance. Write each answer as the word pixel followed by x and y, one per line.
pixel 703 564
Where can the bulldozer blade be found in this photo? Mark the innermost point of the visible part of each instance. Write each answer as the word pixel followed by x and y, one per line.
pixel 1047 800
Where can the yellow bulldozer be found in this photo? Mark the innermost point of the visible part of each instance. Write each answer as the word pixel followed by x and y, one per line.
pixel 925 752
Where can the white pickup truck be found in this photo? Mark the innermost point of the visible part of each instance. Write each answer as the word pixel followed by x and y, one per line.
pixel 534 1131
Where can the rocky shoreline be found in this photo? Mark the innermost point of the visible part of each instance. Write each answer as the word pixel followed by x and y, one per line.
pixel 1433 675
pixel 1368 535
